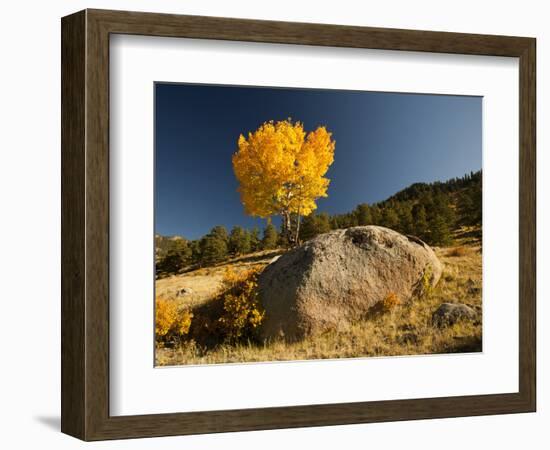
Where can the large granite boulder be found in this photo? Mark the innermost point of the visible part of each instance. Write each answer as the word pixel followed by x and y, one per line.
pixel 337 277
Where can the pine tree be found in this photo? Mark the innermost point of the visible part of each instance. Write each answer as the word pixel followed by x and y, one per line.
pixel 420 221
pixel 214 246
pixel 177 257
pixel 212 250
pixel 255 241
pixel 323 223
pixel 195 247
pixel 315 224
pixel 389 218
pixel 470 205
pixel 270 238
pixel 465 207
pixel 375 215
pixel 477 204
pixel 239 241
pixel 220 232
pixel 439 231
pixel 443 208
pixel 363 214
pixel 309 227
pixel 405 220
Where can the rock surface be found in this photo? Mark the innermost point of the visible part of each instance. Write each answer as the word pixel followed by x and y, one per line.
pixel 339 276
pixel 448 314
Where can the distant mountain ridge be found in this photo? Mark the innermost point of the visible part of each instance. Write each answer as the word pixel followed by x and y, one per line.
pixel 416 190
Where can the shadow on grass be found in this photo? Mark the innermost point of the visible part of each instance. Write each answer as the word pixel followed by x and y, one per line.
pixel 256 258
pixel 234 260
pixel 468 344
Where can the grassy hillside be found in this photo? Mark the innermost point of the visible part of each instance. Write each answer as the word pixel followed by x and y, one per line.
pixel 405 330
pixel 204 283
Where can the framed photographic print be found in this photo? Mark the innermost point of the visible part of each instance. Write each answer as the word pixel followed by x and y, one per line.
pixel 268 224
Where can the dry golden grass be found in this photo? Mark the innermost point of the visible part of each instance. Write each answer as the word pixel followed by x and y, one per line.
pixel 205 283
pixel 404 329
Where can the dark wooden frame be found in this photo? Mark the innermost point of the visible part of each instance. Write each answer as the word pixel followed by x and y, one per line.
pixel 85 224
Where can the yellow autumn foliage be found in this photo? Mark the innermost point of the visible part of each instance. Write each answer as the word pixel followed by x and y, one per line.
pixel 242 311
pixel 390 302
pixel 170 321
pixel 281 168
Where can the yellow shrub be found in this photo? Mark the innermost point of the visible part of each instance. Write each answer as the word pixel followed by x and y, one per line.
pixel 386 305
pixel 182 323
pixel 390 302
pixel 424 287
pixel 165 315
pixel 242 311
pixel 457 252
pixel 169 321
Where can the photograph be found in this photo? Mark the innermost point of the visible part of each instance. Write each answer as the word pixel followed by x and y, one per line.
pixel 298 224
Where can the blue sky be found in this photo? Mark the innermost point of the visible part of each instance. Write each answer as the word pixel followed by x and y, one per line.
pixel 384 143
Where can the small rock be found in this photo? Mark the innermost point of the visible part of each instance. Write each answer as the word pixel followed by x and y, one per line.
pixel 184 291
pixel 450 313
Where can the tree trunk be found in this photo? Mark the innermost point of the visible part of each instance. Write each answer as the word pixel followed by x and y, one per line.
pixel 286 230
pixel 297 238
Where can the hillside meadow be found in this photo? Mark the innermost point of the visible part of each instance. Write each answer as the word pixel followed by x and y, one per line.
pixel 392 330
